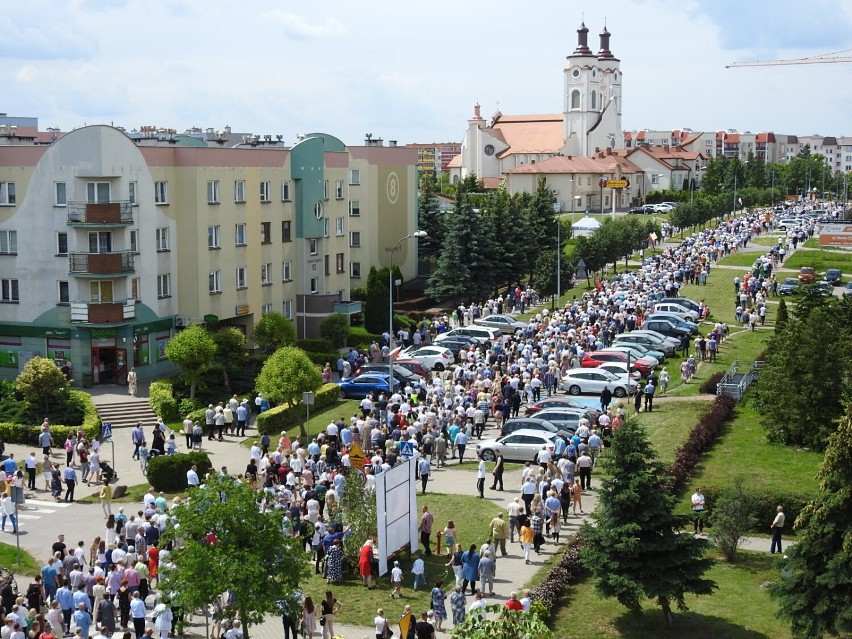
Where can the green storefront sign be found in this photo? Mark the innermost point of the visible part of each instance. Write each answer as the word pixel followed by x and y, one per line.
pixel 153 327
pixel 100 333
pixel 34 331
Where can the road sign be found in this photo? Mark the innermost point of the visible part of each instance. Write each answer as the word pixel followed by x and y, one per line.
pixel 602 183
pixel 106 431
pixel 617 184
pixel 406 449
pixel 308 398
pixel 356 457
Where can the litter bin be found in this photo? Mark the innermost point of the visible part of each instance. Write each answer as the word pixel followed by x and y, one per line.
pixel 88 380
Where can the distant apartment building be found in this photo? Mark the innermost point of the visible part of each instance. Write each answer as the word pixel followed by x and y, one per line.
pixel 434 158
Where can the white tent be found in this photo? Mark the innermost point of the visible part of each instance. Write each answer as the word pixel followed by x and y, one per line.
pixel 585 226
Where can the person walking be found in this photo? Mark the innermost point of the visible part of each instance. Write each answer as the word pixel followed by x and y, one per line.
pixel 497 473
pixel 132 382
pixel 31 464
pixel 329 607
pixel 499 533
pixel 70 478
pixel 470 568
pixel 8 507
pixel 480 477
pixel 698 511
pixel 426 520
pixel 527 537
pixel 105 497
pixel 423 467
pixel 137 614
pixel 777 528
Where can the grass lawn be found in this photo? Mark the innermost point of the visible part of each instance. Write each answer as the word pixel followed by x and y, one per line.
pixel 820 260
pixel 669 425
pixel 739 609
pixel 28 565
pixel 318 421
pixel 743 451
pixel 766 240
pixel 744 259
pixel 471 517
pixel 134 495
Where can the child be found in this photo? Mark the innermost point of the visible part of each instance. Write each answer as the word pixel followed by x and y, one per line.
pixel 450 536
pixel 144 453
pixel 171 445
pixel 396 580
pixel 197 435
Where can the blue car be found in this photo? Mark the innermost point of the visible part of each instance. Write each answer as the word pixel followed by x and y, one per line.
pixel 362 385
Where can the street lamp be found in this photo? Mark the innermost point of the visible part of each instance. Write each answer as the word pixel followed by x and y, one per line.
pixel 392 250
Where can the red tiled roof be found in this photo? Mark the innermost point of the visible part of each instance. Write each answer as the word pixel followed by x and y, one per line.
pixel 529 133
pixel 492 182
pixel 628 135
pixel 640 135
pixel 576 164
pixel 765 137
pixel 691 139
pixel 720 135
pixel 732 138
pixel 455 163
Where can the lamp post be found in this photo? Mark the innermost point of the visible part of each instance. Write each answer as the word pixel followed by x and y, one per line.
pixel 392 250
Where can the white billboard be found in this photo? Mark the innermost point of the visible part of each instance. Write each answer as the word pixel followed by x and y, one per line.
pixel 397 518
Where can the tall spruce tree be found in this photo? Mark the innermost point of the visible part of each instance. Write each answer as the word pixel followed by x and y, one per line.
pixel 541 219
pixel 816 597
pixel 429 219
pixel 637 548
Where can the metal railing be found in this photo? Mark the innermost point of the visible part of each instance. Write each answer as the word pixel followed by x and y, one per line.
pixel 115 212
pixel 101 263
pixel 738 378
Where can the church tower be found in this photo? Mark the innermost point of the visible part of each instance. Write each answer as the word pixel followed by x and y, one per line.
pixel 591 117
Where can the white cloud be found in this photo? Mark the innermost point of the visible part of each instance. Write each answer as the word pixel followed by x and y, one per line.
pixel 297 26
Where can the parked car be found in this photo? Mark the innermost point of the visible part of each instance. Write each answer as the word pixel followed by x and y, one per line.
pixel 522 445
pixel 620 368
pixel 565 419
pixel 833 275
pixel 412 365
pixel 663 207
pixel 400 373
pixel 504 323
pixel 531 423
pixel 665 327
pixel 481 334
pixel 640 210
pixel 692 327
pixel 638 350
pixel 687 303
pixel 807 274
pixel 362 385
pixel 680 310
pixel 584 380
pixel 561 401
pixel 434 357
pixel 847 290
pixel 826 289
pixel 790 286
pixel 646 340
pixel 596 358
pixel 456 345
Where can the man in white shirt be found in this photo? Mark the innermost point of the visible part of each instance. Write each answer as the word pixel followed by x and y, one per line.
pixel 514 509
pixel 526 601
pixel 31 463
pixel 698 510
pixel 191 478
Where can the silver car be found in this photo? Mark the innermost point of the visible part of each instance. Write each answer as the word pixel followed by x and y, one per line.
pixel 504 323
pixel 522 445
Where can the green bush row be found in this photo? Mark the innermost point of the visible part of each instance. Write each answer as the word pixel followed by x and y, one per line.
pixel 162 398
pixel 14 433
pixel 766 502
pixel 321 359
pixel 285 417
pixel 167 473
pixel 315 345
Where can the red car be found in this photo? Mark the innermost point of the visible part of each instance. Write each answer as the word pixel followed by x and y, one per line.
pixel 595 359
pixel 807 275
pixel 413 365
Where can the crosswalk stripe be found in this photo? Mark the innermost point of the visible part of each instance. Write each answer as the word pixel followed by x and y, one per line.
pixel 22 516
pixel 49 504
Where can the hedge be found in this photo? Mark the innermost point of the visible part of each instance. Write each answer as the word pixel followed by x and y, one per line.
pixel 167 473
pixel 710 386
pixel 162 399
pixel 321 359
pixel 567 571
pixel 13 433
pixel 285 417
pixel 766 501
pixel 315 345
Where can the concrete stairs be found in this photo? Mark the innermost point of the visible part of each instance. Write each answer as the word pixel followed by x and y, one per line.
pixel 126 413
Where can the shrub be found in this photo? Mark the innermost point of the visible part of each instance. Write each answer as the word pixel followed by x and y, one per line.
pixel 42 385
pixel 701 438
pixel 286 417
pixel 710 385
pixel 321 359
pixel 27 433
pixel 335 328
pixel 764 504
pixel 186 406
pixel 167 473
pixel 315 345
pixel 568 570
pixel 733 516
pixel 162 400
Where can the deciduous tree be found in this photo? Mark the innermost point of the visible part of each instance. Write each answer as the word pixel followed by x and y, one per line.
pixel 193 350
pixel 287 374
pixel 732 516
pixel 335 328
pixel 503 624
pixel 42 385
pixel 274 331
pixel 230 349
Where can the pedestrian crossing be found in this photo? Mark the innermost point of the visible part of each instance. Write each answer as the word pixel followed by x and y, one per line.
pixel 33 509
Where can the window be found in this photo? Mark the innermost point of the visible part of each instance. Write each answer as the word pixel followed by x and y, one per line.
pixel 340 263
pixel 161 192
pixel 213 237
pixel 100 291
pixel 355 269
pixel 97 192
pixel 313 247
pixel 354 177
pixel 355 239
pixel 135 288
pixel 63 295
pixel 9 291
pixel 286 231
pixel 239 191
pixel 655 178
pixel 338 189
pixel 214 282
pixel 266 309
pixel 575 99
pixel 100 242
pixel 265 232
pixel 164 285
pixel 240 235
pixel 162 237
pixel 314 285
pixel 7 194
pixel 325 190
pixel 60 197
pixel 285 191
pixel 287 271
pixel 266 274
pixel 338 227
pixel 327 263
pixel 355 208
pixel 594 100
pixel 8 242
pixel 132 187
pixel 241 278
pixel 212 191
pixel 134 240
pixel 264 192
pixel 325 227
pixel 287 311
pixel 62 243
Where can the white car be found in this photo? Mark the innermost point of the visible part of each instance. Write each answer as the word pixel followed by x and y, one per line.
pixel 638 351
pixel 521 445
pixel 619 368
pixel 593 381
pixel 482 334
pixel 663 208
pixel 676 309
pixel 433 357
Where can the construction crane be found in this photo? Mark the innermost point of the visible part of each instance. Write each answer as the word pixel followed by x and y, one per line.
pixel 825 58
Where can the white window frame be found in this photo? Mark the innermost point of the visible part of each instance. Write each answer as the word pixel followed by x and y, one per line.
pixel 313 247
pixel 164 285
pixel 354 208
pixel 102 241
pixel 338 227
pixel 93 192
pixel 8 242
pixel 9 291
pixel 162 239
pixel 239 191
pixel 134 241
pixel 355 235
pixel 338 189
pixel 266 274
pixel 325 227
pixel 352 269
pixel 287 309
pixel 266 232
pixel 264 192
pixel 212 191
pixel 7 194
pixel 96 291
pixel 135 288
pixel 241 278
pixel 214 282
pixel 161 193
pixel 287 271
pixel 214 236
pixel 59 287
pixel 240 234
pixel 133 193
pixel 325 189
pixel 285 191
pixel 288 224
pixel 266 309
pixel 354 177
pixel 60 199
pixel 58 247
pixel 314 286
pixel 340 263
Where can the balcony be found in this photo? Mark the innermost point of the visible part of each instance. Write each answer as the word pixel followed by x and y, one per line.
pixel 101 264
pixel 117 213
pixel 103 312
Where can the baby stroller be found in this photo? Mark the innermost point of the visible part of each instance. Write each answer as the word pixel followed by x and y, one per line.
pixel 108 474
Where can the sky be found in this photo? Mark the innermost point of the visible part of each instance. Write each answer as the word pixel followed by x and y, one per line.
pixel 412 71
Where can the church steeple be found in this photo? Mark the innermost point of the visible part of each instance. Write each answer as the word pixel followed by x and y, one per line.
pixel 582 49
pixel 605 53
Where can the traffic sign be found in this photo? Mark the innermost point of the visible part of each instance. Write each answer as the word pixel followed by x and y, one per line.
pixel 406 449
pixel 106 431
pixel 603 183
pixel 356 457
pixel 617 184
